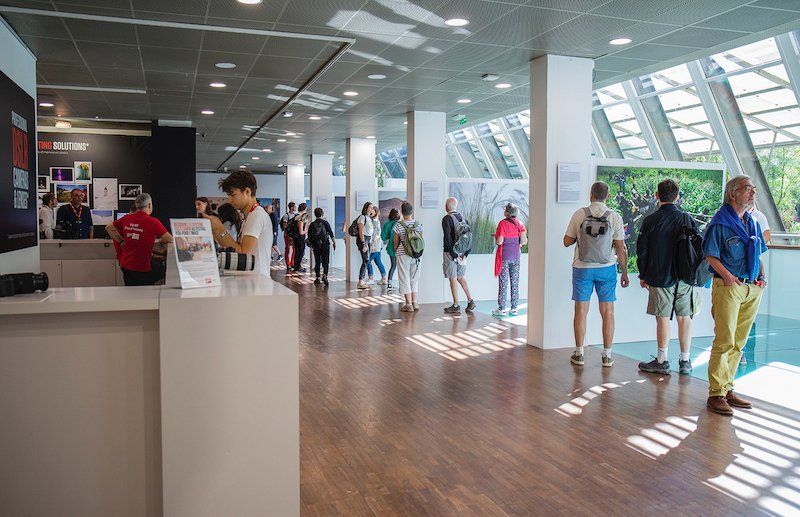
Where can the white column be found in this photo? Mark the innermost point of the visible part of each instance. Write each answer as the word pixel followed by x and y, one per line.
pixel 360 163
pixel 321 193
pixel 426 163
pixel 295 185
pixel 561 111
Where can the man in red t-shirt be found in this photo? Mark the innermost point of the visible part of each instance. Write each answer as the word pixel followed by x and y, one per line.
pixel 136 233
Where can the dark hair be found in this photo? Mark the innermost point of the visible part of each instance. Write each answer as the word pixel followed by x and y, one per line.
pixel 228 214
pixel 207 202
pixel 318 212
pixel 406 208
pixel 600 191
pixel 291 204
pixel 241 180
pixel 47 198
pixel 394 215
pixel 365 208
pixel 302 207
pixel 668 191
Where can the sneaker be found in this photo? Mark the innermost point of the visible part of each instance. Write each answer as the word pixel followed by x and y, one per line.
pixel 370 282
pixel 500 313
pixel 470 307
pixel 576 358
pixel 684 367
pixel 317 280
pixel 407 308
pixel 325 279
pixel 655 367
pixel 453 309
pixel 383 282
pixel 362 285
pixel 513 312
pixel 607 361
pixel 389 286
pixel 415 306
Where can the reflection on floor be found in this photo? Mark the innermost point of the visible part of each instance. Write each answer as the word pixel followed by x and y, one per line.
pixel 431 414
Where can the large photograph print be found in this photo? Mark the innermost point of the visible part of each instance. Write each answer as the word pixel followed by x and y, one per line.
pixel 482 202
pixel 18 177
pixel 632 194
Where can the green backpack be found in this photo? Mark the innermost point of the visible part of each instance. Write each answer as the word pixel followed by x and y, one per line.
pixel 413 244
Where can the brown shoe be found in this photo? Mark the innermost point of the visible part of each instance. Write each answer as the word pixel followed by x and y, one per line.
pixel 736 401
pixel 719 405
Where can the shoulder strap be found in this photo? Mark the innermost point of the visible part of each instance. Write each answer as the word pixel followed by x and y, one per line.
pixel 587 212
pixel 607 213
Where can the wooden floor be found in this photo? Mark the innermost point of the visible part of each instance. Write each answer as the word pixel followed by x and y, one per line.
pixel 427 414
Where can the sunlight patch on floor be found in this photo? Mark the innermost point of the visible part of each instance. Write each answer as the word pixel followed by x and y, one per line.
pixel 467 343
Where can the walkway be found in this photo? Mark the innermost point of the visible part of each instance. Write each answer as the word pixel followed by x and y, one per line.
pixel 428 414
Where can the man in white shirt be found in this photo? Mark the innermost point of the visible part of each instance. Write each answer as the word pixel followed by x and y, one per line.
pixel 763 222
pixel 598 232
pixel 47 215
pixel 256 234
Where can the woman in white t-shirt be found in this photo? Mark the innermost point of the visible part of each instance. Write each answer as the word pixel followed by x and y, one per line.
pixel 365 231
pixel 375 247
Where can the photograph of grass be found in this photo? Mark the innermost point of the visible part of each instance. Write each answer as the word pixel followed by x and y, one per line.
pixel 632 194
pixel 482 203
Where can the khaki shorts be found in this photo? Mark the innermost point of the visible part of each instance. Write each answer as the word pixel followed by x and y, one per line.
pixel 660 301
pixel 451 268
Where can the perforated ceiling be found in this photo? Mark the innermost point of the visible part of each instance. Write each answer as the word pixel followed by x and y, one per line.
pixel 164 73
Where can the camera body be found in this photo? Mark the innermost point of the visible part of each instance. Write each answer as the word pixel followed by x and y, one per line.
pixel 23 283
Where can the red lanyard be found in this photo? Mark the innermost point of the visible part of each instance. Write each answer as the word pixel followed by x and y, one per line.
pixel 239 237
pixel 78 213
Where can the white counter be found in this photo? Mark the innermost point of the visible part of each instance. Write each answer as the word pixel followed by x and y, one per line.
pixel 151 401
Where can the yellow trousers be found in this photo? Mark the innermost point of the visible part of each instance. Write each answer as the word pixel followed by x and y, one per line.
pixel 734 309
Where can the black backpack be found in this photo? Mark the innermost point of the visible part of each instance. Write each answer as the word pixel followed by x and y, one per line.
pixel 317 235
pixel 352 231
pixel 690 266
pixel 291 229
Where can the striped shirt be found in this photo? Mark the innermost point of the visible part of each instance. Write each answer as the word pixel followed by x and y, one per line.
pixel 400 229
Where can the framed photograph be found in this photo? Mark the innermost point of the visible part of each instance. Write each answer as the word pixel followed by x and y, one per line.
pixel 63 192
pixel 62 174
pixel 43 183
pixel 83 172
pixel 129 191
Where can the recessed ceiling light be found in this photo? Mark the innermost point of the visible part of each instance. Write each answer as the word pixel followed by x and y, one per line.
pixel 289 133
pixel 376 77
pixel 249 2
pixel 63 124
pixel 371 137
pixel 267 150
pixel 502 86
pixel 255 158
pixel 207 112
pixel 620 41
pixel 331 152
pixel 225 65
pixel 314 117
pixel 218 85
pixel 281 140
pixel 456 22
pixel 463 101
pixel 350 94
pixel 46 104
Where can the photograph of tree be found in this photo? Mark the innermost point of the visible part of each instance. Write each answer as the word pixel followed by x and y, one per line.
pixel 632 194
pixel 482 203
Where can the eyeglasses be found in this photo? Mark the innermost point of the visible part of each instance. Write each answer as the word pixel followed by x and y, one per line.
pixel 749 188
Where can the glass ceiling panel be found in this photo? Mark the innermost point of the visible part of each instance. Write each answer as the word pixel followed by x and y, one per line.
pixel 757 53
pixel 611 94
pixel 669 78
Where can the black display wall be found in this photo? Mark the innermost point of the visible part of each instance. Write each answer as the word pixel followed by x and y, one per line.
pixel 126 158
pixel 173 185
pixel 18 226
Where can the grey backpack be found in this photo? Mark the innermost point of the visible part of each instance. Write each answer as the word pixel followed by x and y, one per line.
pixel 595 239
pixel 463 234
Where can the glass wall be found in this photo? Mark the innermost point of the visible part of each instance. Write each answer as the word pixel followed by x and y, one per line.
pixel 739 107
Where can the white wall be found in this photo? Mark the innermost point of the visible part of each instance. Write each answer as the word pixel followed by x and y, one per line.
pixel 17 62
pixel 782 296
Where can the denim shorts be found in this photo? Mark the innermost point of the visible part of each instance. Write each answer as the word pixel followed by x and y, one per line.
pixel 601 279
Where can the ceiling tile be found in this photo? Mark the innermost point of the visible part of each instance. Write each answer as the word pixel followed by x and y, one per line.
pixel 520 26
pixel 697 37
pixel 66 74
pixel 169 60
pixel 85 30
pixel 750 19
pixel 191 7
pixel 231 42
pixel 42 26
pixel 653 52
pixel 164 37
pixel 119 77
pixel 54 51
pixel 110 55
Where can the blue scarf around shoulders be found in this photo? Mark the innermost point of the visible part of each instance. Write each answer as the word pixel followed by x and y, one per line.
pixel 748 231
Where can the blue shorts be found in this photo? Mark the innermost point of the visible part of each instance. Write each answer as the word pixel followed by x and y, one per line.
pixel 601 279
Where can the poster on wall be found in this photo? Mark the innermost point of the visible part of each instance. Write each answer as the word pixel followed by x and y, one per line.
pixel 102 217
pixel 194 254
pixel 339 211
pixel 18 218
pixel 266 201
pixel 569 183
pixel 43 183
pixel 483 202
pixel 83 172
pixel 63 192
pixel 105 193
pixel 632 194
pixel 388 199
pixel 63 174
pixel 129 191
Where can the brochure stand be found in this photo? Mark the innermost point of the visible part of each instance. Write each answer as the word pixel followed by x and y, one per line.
pixel 192 261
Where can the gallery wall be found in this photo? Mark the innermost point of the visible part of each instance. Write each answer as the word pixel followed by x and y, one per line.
pixel 19 65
